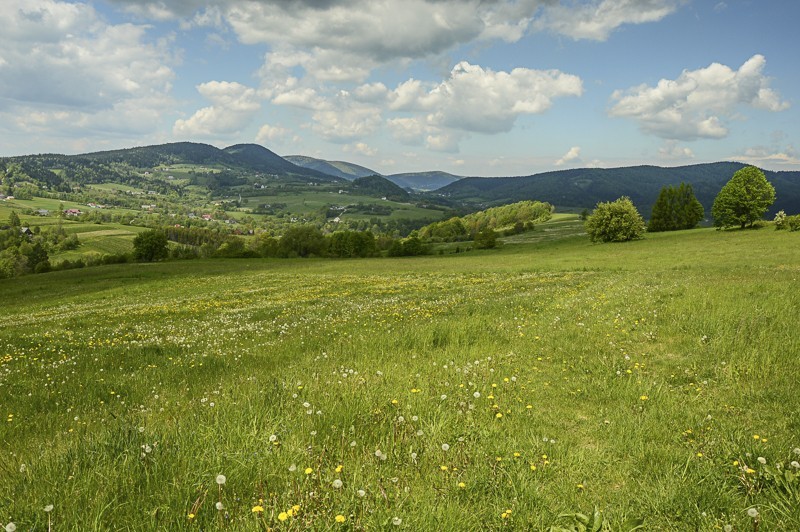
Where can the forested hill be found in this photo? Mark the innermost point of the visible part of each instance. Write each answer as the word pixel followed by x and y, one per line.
pixel 585 187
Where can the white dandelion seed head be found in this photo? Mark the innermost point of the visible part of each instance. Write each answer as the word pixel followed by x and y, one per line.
pixel 762 460
pixel 11 527
pixel 353 443
pixel 292 468
pixel 396 521
pixel 728 528
pixel 401 419
pixel 378 453
pixel 752 512
pixel 221 479
pixel 337 484
pixel 795 464
pixel 413 456
pixel 420 432
pixel 445 447
pixel 48 508
pixel 219 506
pixel 361 493
pixel 443 397
pixel 273 438
pixel 476 395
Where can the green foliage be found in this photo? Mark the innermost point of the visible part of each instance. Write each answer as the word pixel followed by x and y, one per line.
pixel 379 187
pixel 486 239
pixel 744 199
pixel 580 522
pixel 615 221
pixel 352 244
pixel 302 241
pixel 150 246
pixel 675 208
pixel 793 222
pixel 13 219
pixel 780 221
pixel 408 247
pixel 467 227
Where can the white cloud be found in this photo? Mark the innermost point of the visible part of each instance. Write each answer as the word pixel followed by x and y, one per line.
pixel 484 101
pixel 672 151
pixel 596 20
pixel 360 148
pixel 409 131
pixel 696 104
pixel 445 142
pixel 786 158
pixel 233 106
pixel 268 134
pixel 345 124
pixel 574 154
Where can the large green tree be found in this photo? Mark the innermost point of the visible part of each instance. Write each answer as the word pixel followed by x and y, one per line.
pixel 150 246
pixel 675 208
pixel 744 199
pixel 615 221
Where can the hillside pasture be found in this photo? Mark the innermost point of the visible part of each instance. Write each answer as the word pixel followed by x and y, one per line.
pixel 486 391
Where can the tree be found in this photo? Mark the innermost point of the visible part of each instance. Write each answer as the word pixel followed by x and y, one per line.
pixel 744 199
pixel 302 241
pixel 675 208
pixel 150 246
pixel 615 221
pixel 486 239
pixel 13 219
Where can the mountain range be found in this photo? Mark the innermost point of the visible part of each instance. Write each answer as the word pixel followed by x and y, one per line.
pixel 572 189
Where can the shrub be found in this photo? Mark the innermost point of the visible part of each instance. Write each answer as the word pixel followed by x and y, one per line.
pixel 780 221
pixel 615 221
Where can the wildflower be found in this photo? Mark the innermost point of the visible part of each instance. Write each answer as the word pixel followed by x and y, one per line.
pixel 219 506
pixel 580 486
pixel 221 479
pixel 337 484
pixel 283 516
pixel 728 528
pixel 498 415
pixel 445 447
pixel 48 508
pixel 756 437
pixel 533 467
pixel 292 468
pixel 361 493
pixel 762 460
pixel 11 527
pixel 644 398
pixel 190 516
pixel 257 509
pixel 443 467
pixel 273 438
pixel 340 518
pixel 795 464
pixel 476 395
pixel 462 485
pixel 752 512
pixel 308 471
pixel 339 468
pixel 396 521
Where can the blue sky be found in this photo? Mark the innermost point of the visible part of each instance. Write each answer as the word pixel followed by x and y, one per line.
pixel 472 87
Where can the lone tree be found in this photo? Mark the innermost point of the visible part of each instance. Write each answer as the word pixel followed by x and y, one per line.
pixel 150 246
pixel 744 199
pixel 675 208
pixel 615 221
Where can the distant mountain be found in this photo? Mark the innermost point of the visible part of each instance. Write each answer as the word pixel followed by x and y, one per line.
pixel 341 169
pixel 584 188
pixel 379 187
pixel 426 181
pixel 260 158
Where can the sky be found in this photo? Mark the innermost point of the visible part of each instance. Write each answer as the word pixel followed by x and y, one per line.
pixel 471 87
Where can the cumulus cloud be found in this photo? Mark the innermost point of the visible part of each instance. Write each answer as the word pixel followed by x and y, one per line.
pixel 573 155
pixel 360 148
pixel 409 131
pixel 268 134
pixel 596 20
pixel 697 103
pixel 782 158
pixel 345 124
pixel 484 101
pixel 233 105
pixel 63 54
pixel 672 151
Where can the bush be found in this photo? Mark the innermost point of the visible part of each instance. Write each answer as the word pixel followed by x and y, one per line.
pixel 615 221
pixel 793 222
pixel 780 221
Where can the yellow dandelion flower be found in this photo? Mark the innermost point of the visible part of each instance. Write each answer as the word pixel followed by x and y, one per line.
pixel 443 468
pixel 736 462
pixel 533 467
pixel 579 486
pixel 340 518
pixel 190 516
pixel 257 509
pixel 498 415
pixel 339 468
pixel 283 516
pixel 462 485
pixel 756 437
pixel 309 471
pixel 644 398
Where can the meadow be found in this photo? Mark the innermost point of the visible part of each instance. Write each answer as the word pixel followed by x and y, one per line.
pixel 494 390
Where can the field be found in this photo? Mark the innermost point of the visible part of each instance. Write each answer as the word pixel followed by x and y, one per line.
pixel 493 390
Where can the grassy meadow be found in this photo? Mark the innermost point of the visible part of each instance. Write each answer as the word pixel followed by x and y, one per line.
pixel 493 390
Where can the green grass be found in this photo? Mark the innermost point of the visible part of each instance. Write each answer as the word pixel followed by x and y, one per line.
pixel 630 376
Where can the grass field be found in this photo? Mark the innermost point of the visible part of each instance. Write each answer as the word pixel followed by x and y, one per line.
pixel 494 390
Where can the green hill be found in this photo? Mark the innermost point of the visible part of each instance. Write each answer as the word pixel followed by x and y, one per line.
pixel 379 187
pixel 424 181
pixel 341 169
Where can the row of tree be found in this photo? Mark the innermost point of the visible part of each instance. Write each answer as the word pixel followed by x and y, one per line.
pixel 742 201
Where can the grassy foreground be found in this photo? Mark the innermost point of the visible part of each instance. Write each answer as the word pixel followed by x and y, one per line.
pixel 655 379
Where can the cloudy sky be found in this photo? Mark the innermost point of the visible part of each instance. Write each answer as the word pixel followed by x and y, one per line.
pixel 472 87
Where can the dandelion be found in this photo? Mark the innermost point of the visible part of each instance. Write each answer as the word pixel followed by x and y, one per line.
pixel 498 415
pixel 273 438
pixel 795 464
pixel 292 468
pixel 283 516
pixel 11 527
pixel 221 479
pixel 728 528
pixel 752 512
pixel 48 508
pixel 396 521
pixel 257 509
pixel 190 516
pixel 644 398
pixel 337 484
pixel 361 493
pixel 340 518
pixel 339 468
pixel 476 395
pixel 443 467
pixel 462 485
pixel 219 506
pixel 762 460
pixel 308 471
pixel 445 447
